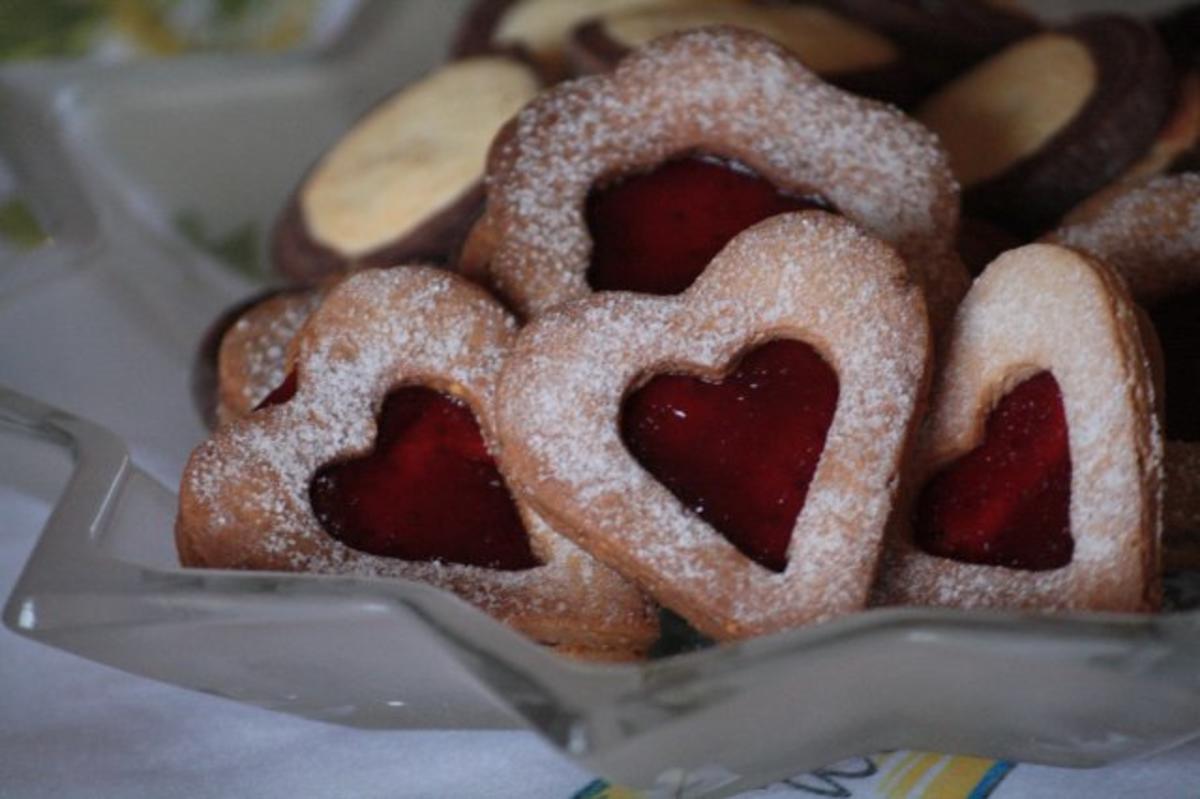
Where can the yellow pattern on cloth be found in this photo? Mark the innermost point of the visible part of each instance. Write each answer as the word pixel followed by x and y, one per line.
pixel 896 775
pixel 922 775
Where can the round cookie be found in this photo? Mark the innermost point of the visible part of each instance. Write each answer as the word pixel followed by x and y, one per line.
pixel 1048 121
pixel 403 183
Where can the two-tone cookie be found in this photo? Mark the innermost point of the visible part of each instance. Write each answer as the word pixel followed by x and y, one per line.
pixel 404 182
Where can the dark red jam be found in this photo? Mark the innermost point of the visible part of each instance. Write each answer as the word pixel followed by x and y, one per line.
pixel 740 452
pixel 281 393
pixel 655 232
pixel 1007 502
pixel 429 491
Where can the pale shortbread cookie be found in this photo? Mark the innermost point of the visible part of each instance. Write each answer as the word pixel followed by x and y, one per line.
pixel 415 154
pixel 543 26
pixel 810 276
pixel 405 181
pixel 1043 307
pixel 828 43
pixel 1008 107
pixel 724 92
pixel 244 498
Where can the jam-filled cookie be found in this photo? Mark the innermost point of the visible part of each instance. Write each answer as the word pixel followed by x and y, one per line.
pixel 1037 480
pixel 404 182
pixel 204 377
pixel 382 463
pixel 1048 121
pixel 251 353
pixel 633 180
pixel 735 449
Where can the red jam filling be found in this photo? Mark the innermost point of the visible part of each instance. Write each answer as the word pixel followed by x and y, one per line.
pixel 739 452
pixel 1177 322
pixel 1007 502
pixel 429 491
pixel 281 393
pixel 656 231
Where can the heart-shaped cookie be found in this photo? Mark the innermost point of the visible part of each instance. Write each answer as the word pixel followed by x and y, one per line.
pixel 392 413
pixel 715 93
pixel 1038 477
pixel 811 278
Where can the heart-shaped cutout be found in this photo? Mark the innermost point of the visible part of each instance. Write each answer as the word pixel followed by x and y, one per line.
pixel 1008 501
pixel 429 490
pixel 739 452
pixel 654 232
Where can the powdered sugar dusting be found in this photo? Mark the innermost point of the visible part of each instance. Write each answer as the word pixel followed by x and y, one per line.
pixel 809 276
pixel 254 351
pixel 376 330
pixel 1045 308
pixel 1150 233
pixel 726 92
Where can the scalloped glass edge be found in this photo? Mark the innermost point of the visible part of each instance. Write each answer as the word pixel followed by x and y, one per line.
pixel 1078 690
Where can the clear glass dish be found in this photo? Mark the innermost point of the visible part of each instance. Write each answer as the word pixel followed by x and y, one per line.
pixel 112 161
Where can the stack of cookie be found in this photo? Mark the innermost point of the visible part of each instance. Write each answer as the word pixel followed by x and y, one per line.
pixel 695 330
